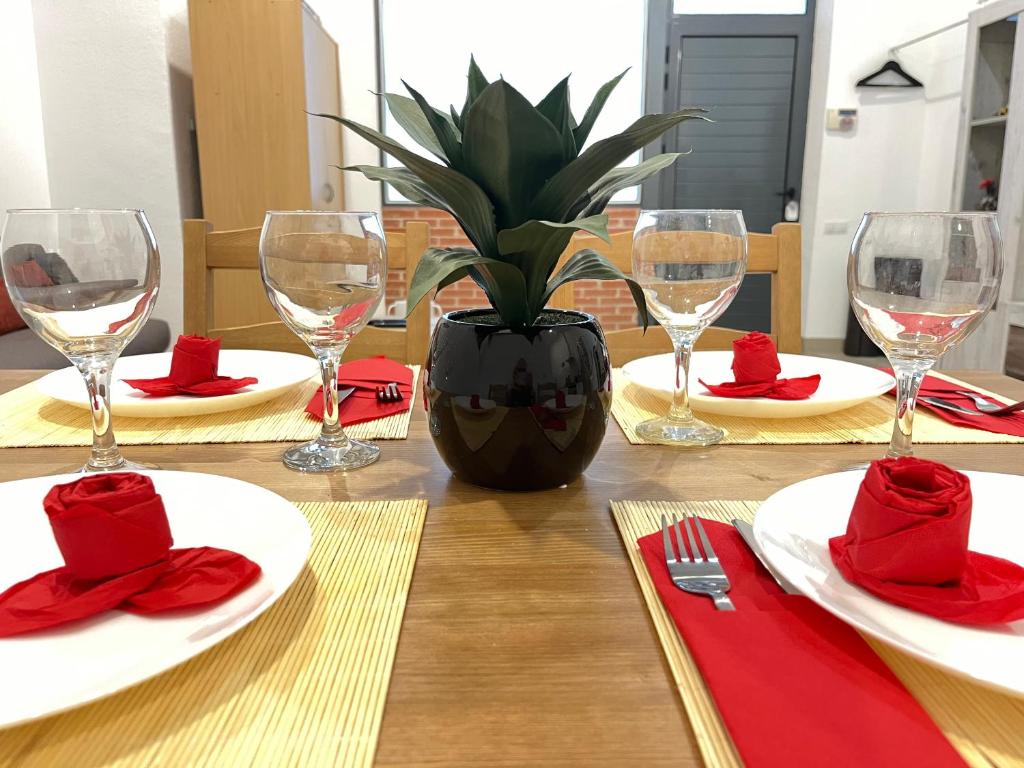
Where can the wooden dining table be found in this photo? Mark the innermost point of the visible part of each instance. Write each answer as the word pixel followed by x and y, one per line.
pixel 525 639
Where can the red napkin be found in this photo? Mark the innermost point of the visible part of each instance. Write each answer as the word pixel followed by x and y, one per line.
pixel 113 534
pixel 933 386
pixel 193 372
pixel 755 367
pixel 794 685
pixel 906 542
pixel 366 375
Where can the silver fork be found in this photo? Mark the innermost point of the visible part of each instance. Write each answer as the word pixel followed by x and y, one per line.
pixel 389 393
pixel 691 571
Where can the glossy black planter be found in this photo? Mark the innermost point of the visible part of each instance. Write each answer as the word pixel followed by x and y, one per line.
pixel 518 411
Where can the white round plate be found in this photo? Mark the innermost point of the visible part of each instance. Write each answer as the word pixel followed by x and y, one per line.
pixel 277 373
pixel 57 669
pixel 843 385
pixel 793 528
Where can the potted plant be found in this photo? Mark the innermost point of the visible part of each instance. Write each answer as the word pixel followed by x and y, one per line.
pixel 518 395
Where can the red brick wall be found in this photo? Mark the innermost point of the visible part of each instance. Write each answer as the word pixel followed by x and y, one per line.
pixel 610 301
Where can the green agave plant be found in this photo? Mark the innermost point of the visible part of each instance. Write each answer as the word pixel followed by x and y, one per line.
pixel 513 176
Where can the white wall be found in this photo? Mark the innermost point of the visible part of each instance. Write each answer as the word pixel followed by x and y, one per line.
pixel 901 155
pixel 108 121
pixel 23 177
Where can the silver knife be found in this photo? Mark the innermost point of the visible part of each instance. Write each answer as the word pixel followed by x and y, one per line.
pixel 746 531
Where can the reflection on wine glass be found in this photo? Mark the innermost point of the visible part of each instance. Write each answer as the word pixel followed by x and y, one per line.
pixel 919 285
pixel 325 273
pixel 85 281
pixel 690 265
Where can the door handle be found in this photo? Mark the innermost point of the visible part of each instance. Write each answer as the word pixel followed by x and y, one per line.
pixel 789 194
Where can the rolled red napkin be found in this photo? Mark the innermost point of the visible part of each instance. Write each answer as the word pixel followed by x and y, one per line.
pixel 194 362
pixel 755 367
pixel 113 533
pixel 365 375
pixel 906 542
pixel 794 685
pixel 108 525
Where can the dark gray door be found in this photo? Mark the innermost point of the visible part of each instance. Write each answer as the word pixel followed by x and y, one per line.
pixel 753 73
pixel 740 160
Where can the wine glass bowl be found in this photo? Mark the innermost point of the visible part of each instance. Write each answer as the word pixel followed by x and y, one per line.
pixel 325 274
pixel 85 281
pixel 920 283
pixel 690 265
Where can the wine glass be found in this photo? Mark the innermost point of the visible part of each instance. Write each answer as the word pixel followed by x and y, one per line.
pixel 325 273
pixel 920 283
pixel 690 265
pixel 85 281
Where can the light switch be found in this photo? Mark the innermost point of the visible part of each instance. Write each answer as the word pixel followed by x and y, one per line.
pixel 837 227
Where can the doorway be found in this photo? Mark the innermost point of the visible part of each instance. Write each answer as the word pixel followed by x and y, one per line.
pixel 753 72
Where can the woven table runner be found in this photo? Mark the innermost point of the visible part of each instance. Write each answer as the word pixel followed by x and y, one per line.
pixel 30 419
pixel 870 422
pixel 985 726
pixel 303 685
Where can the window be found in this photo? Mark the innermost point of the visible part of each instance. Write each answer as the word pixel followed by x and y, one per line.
pixel 531 43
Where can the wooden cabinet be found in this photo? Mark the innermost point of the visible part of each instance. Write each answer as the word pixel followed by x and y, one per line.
pixel 258 66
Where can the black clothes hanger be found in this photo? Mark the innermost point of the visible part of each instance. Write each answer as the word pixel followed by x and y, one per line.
pixel 909 81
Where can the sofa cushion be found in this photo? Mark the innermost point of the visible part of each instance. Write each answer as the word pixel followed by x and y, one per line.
pixel 25 274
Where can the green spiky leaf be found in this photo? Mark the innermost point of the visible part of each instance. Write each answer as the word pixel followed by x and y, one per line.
pixel 600 192
pixel 441 126
pixel 475 85
pixel 511 149
pixel 582 131
pixel 588 264
pixel 537 245
pixel 556 199
pixel 464 198
pixel 504 283
pixel 555 107
pixel 408 114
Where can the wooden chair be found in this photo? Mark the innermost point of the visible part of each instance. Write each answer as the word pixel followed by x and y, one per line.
pixel 777 254
pixel 225 298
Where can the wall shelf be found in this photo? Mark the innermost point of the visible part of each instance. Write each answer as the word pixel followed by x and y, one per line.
pixel 991 146
pixel 982 122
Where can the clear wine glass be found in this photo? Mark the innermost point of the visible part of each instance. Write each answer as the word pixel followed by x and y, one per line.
pixel 690 265
pixel 920 283
pixel 85 281
pixel 325 273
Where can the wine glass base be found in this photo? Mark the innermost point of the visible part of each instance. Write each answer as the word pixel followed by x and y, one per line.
pixel 317 456
pixel 669 432
pixel 123 466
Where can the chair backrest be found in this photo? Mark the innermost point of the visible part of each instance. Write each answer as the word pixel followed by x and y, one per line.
pixel 777 253
pixel 225 298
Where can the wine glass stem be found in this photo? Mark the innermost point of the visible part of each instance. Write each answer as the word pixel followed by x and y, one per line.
pixel 909 375
pixel 331 432
pixel 96 371
pixel 680 410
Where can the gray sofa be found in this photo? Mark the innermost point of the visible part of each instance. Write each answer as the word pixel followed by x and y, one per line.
pixel 23 349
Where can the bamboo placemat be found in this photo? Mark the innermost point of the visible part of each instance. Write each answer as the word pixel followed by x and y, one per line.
pixel 30 419
pixel 985 726
pixel 870 422
pixel 303 685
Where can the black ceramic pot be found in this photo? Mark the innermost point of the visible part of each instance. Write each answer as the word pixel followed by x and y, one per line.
pixel 518 410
